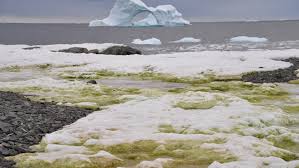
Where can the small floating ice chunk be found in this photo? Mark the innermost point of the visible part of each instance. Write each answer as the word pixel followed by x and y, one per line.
pixel 151 41
pixel 245 39
pixel 187 40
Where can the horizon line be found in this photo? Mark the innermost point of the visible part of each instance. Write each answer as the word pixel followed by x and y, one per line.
pixel 204 21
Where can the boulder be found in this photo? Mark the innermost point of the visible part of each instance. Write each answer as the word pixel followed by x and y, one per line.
pixel 121 50
pixel 31 48
pixel 94 82
pixel 76 50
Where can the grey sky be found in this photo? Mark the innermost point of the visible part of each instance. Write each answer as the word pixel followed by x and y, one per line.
pixel 195 10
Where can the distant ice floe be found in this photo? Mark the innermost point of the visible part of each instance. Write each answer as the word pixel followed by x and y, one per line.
pixel 124 11
pixel 248 39
pixel 187 40
pixel 151 41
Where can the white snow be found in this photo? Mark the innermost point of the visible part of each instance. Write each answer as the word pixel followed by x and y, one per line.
pixel 140 118
pixel 271 162
pixel 151 41
pixel 248 39
pixel 187 40
pixel 124 11
pixel 180 64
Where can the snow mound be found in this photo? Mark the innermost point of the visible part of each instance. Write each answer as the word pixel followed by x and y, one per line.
pixel 124 12
pixel 248 39
pixel 187 40
pixel 151 41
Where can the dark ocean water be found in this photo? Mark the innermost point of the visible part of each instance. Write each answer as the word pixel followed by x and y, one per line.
pixel 214 35
pixel 33 34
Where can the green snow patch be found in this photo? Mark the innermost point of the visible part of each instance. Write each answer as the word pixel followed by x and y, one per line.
pixel 201 100
pixel 145 75
pixel 206 104
pixel 37 67
pixel 86 96
pixel 291 108
pixel 287 156
pixel 296 82
pixel 28 161
pixel 285 142
pixel 167 128
pixel 14 68
pixel 184 153
pixel 254 93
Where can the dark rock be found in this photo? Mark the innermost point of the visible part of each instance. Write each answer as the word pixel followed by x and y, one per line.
pixel 121 50
pixel 6 163
pixel 31 48
pixel 92 82
pixel 95 51
pixel 23 123
pixel 76 50
pixel 279 75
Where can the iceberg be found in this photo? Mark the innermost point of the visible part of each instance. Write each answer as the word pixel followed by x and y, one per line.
pixel 187 40
pixel 151 41
pixel 124 12
pixel 248 39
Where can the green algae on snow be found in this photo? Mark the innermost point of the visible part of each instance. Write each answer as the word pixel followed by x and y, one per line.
pixel 166 128
pixel 202 103
pixel 285 142
pixel 205 104
pixel 254 93
pixel 14 68
pixel 296 82
pixel 291 108
pixel 186 152
pixel 85 96
pixel 145 75
pixel 24 161
pixel 183 152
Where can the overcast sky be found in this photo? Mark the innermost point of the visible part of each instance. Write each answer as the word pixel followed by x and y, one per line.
pixel 195 10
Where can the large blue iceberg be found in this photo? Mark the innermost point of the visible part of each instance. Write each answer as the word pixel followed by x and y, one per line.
pixel 124 12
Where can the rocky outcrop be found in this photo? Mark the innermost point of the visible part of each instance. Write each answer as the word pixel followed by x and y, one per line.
pixel 31 48
pixel 114 50
pixel 76 50
pixel 279 75
pixel 121 50
pixel 23 123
